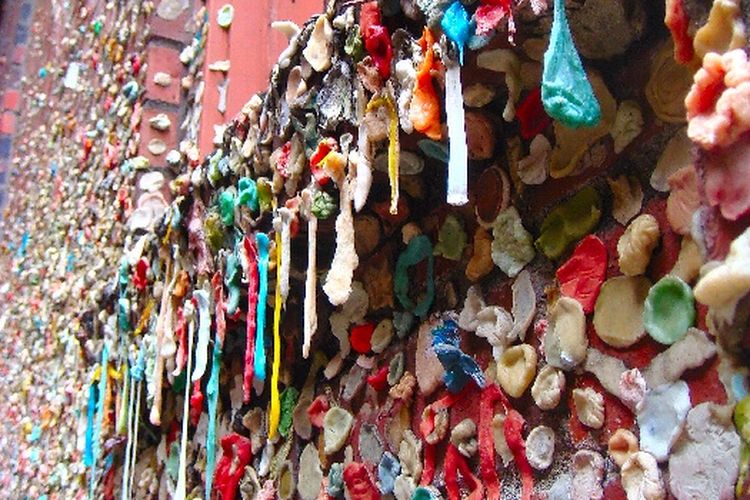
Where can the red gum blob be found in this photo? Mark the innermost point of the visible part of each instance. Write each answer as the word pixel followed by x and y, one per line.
pixel 358 483
pixel 282 162
pixel 196 403
pixel 428 470
pixel 252 300
pixel 513 428
pixel 325 146
pixel 455 463
pixel 379 380
pixel 378 45
pixel 231 466
pixel 678 23
pixel 360 337
pixel 487 469
pixel 705 385
pixel 582 275
pixel 531 115
pixel 488 18
pixel 369 15
pixel 139 277
pixel 316 412
pixel 489 15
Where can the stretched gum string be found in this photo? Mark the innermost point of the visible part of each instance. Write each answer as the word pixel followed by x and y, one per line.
pixel 393 146
pixel 212 389
pixel 311 320
pixel 252 303
pixel 260 353
pixel 275 404
pixel 455 463
pixel 179 493
pixel 457 193
pixel 204 332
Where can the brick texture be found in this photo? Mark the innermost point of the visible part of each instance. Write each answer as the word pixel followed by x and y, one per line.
pixel 163 59
pixel 170 136
pixel 8 123
pixel 11 100
pixel 177 29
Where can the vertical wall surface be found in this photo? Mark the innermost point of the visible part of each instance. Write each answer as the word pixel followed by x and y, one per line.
pixel 251 47
pixel 15 25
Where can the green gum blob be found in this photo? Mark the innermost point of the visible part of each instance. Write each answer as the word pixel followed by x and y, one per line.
pixel 123 277
pixel 569 222
pixel 288 401
pixel 214 232
pixel 451 239
pixel 742 489
pixel 265 195
pixel 435 150
pixel 323 205
pixel 247 194
pixel 742 423
pixel 226 207
pixel 566 92
pixel 232 281
pixel 214 173
pixel 123 315
pixel 335 487
pixel 173 462
pixel 742 418
pixel 512 246
pixel 178 386
pixel 669 310
pixel 419 249
pixel 353 46
pixel 425 493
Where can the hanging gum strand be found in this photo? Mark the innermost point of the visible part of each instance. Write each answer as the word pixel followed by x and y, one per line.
pixel 200 298
pixel 310 313
pixel 273 424
pixel 259 361
pixel 251 255
pixel 212 389
pixel 393 146
pixel 179 493
pixel 142 321
pixel 103 375
pixel 155 414
pixel 457 192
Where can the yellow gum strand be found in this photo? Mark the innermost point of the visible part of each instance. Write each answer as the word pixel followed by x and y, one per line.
pixel 273 424
pixel 144 317
pixel 393 146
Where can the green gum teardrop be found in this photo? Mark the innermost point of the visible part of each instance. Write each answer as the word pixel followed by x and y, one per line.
pixel 566 92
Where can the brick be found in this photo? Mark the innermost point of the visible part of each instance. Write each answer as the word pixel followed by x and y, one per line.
pixel 6 145
pixel 178 29
pixel 170 136
pixel 22 34
pixel 8 123
pixel 163 59
pixel 11 100
pixel 19 53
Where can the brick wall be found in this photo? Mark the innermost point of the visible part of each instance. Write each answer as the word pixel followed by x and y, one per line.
pixel 252 48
